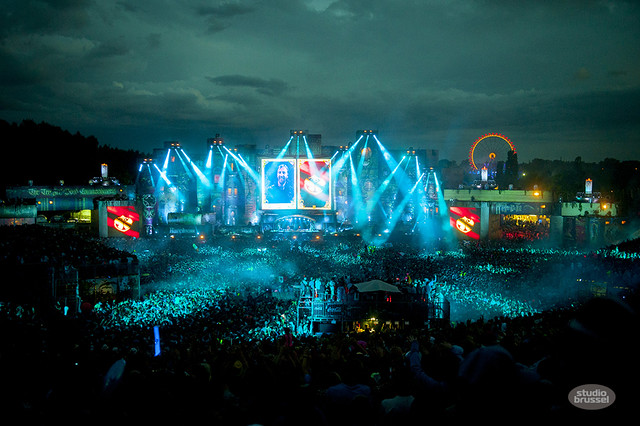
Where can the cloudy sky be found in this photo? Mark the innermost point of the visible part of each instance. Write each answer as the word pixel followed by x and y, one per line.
pixel 561 79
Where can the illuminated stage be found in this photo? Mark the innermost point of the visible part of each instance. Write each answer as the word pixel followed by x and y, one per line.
pixel 360 187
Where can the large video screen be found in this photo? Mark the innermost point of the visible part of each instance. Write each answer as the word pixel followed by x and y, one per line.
pixel 305 184
pixel 278 184
pixel 465 221
pixel 123 221
pixel 314 184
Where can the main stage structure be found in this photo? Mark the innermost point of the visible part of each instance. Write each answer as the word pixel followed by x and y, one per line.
pixel 359 189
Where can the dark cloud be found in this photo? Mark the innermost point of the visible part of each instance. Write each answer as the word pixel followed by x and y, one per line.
pixel 270 87
pixel 154 40
pixel 218 15
pixel 559 78
pixel 43 16
pixel 224 10
pixel 110 48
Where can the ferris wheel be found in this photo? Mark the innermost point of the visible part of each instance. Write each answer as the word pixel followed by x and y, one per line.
pixel 488 149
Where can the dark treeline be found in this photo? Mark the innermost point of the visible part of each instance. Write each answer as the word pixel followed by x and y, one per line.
pixel 611 177
pixel 46 154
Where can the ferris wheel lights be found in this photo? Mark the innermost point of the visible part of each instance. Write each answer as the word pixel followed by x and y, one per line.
pixel 472 152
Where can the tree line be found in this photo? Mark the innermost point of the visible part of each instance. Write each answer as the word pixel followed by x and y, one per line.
pixel 45 155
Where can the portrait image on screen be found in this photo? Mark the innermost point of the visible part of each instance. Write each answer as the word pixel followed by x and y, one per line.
pixel 465 221
pixel 278 184
pixel 314 184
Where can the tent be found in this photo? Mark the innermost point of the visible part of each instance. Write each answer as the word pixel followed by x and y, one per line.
pixel 376 285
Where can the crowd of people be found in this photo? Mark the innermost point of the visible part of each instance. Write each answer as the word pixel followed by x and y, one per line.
pixel 514 227
pixel 214 336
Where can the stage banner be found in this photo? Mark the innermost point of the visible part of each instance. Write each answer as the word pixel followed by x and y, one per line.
pixel 314 184
pixel 123 221
pixel 278 184
pixel 466 221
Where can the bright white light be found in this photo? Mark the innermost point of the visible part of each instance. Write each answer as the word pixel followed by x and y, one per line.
pixel 163 175
pixel 166 160
pixel 209 159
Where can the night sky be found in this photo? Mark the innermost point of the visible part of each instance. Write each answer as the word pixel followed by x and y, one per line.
pixel 561 79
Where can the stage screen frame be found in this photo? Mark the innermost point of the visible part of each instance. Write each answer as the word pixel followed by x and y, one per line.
pixel 269 177
pixel 314 180
pixel 465 221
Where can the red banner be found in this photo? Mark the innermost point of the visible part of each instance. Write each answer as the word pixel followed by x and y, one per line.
pixel 123 219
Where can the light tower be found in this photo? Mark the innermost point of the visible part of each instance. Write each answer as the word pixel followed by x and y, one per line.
pixel 297 136
pixel 215 170
pixel 146 194
pixel 367 169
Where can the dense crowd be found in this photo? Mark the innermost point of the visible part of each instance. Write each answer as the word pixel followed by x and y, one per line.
pixel 214 336
pixel 531 230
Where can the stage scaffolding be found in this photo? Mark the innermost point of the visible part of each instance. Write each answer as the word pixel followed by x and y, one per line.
pixel 371 311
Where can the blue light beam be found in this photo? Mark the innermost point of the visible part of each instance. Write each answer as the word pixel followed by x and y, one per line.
pixel 224 171
pixel 243 163
pixel 346 155
pixel 196 169
pixel 166 160
pixel 284 150
pixel 163 174
pixel 307 148
pixel 209 163
pixel 371 204
pixel 397 213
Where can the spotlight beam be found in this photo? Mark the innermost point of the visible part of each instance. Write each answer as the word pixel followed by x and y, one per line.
pixel 395 217
pixel 197 170
pixel 244 165
pixel 184 163
pixel 307 148
pixel 209 159
pixel 151 176
pixel 420 198
pixel 224 170
pixel 375 199
pixel 401 178
pixel 252 173
pixel 442 204
pixel 381 207
pixel 166 160
pixel 355 187
pixel 346 155
pixel 362 154
pixel 163 174
pixel 222 154
pixel 284 150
